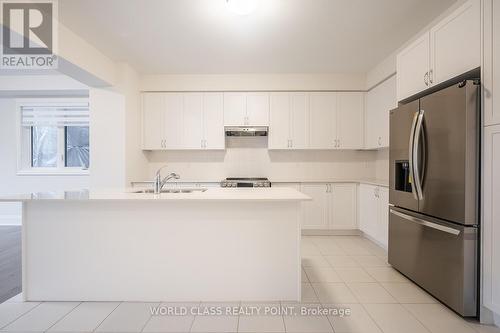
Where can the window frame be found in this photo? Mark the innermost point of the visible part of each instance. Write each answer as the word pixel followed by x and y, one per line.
pixel 24 142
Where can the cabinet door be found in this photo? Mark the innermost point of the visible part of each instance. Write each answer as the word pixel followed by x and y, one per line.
pixel 279 121
pixel 315 212
pixel 213 121
pixel 379 102
pixel 491 67
pixel 383 216
pixel 235 109
pixel 193 121
pixel 368 210
pixel 343 206
pixel 323 120
pixel 412 66
pixel 299 120
pixel 456 43
pixel 257 109
pixel 153 108
pixel 491 218
pixel 173 120
pixel 350 113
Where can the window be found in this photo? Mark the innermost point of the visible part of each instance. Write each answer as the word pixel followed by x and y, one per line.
pixel 54 137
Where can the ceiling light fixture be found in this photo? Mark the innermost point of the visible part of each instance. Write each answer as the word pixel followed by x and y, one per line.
pixel 242 7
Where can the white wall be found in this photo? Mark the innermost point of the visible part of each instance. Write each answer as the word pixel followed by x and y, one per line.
pixel 10 182
pixel 248 82
pixel 107 139
pixel 136 164
pixel 249 157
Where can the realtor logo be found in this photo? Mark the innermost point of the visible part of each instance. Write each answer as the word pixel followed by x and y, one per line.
pixel 29 34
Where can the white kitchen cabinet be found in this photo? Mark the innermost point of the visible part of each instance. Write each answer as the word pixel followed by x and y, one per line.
pixel 373 212
pixel 279 121
pixel 299 120
pixel 315 213
pixel 193 121
pixel 153 107
pixel 450 48
pixel 343 206
pixel 491 62
pixel 456 43
pixel 336 120
pixel 246 109
pixel 413 65
pixel 383 215
pixel 350 114
pixel 333 206
pixel 173 119
pixel 288 121
pixel 323 120
pixel 379 101
pixel 178 121
pixel 235 108
pixel 258 109
pixel 213 121
pixel 491 219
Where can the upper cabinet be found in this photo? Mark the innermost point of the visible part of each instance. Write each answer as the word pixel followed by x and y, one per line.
pixel 491 65
pixel 413 67
pixel 350 111
pixel 319 120
pixel 288 121
pixel 182 121
pixel 323 120
pixel 456 43
pixel 450 48
pixel 246 109
pixel 379 101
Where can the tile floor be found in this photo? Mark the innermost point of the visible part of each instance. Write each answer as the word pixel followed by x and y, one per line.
pixel 339 272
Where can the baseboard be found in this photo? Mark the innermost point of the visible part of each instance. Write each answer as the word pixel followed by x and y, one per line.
pixel 10 220
pixel 374 240
pixel 328 232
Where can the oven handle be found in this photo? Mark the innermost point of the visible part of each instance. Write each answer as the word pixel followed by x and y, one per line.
pixel 426 223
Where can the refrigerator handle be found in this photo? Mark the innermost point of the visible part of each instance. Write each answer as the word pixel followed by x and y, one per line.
pixel 410 154
pixel 426 223
pixel 416 156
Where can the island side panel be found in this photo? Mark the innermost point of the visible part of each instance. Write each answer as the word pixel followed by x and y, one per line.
pixel 162 251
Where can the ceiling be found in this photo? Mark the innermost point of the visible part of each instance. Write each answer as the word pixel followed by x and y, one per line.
pixel 281 36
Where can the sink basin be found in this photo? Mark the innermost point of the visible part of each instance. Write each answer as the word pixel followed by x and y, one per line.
pixel 174 190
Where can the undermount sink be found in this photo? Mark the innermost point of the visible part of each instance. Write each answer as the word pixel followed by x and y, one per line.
pixel 173 190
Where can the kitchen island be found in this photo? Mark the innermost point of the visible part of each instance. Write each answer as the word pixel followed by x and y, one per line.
pixel 216 245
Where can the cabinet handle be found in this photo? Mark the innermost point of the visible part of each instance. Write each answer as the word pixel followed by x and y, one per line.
pixel 291 143
pixel 380 141
pixel 426 78
pixel 326 188
pixel 431 74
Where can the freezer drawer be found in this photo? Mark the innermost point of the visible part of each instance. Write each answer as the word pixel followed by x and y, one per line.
pixel 438 256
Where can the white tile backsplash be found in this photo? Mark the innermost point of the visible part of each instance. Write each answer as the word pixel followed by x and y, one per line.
pixel 249 157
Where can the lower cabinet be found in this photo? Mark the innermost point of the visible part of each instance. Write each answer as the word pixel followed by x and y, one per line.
pixel 374 212
pixel 333 206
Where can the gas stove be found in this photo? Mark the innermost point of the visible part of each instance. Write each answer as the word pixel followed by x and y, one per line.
pixel 245 182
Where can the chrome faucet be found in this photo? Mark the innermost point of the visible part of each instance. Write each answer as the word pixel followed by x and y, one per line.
pixel 159 183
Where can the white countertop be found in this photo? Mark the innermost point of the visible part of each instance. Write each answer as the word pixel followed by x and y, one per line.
pixel 369 181
pixel 211 194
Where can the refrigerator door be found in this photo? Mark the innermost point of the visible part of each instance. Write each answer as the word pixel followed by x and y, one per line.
pixel 437 255
pixel 448 140
pixel 402 124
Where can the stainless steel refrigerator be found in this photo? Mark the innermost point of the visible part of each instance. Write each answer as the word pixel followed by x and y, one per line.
pixel 434 194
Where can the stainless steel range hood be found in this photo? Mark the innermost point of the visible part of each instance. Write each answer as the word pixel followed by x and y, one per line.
pixel 246 131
